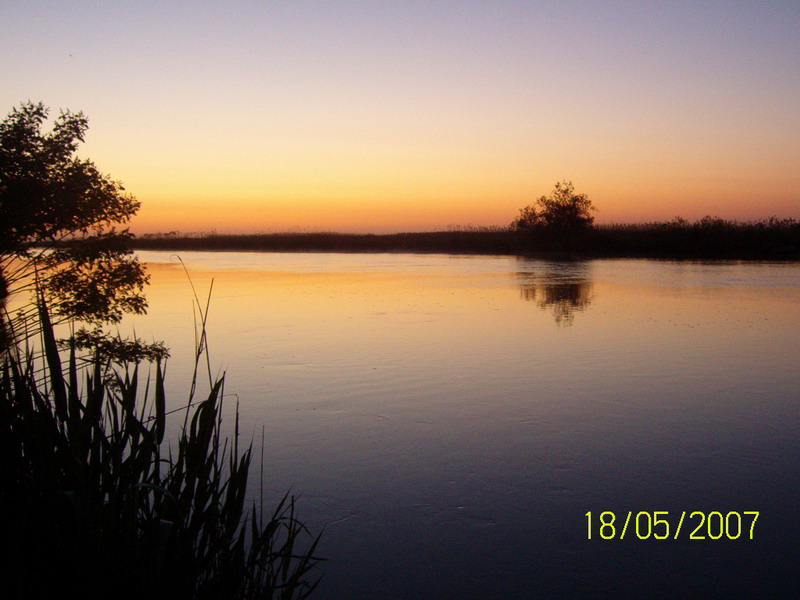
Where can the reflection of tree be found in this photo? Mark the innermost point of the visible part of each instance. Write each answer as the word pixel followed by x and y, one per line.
pixel 566 287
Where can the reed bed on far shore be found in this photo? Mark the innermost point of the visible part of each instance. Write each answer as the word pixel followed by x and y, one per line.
pixel 710 237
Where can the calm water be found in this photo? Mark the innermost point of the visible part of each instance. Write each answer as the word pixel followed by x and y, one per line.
pixel 450 420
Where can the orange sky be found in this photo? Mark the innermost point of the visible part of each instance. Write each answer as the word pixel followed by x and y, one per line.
pixel 382 116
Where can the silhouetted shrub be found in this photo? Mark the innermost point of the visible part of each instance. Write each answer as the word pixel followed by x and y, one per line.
pixel 562 209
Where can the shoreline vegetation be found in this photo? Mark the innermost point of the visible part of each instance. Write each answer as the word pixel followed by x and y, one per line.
pixel 100 476
pixel 707 238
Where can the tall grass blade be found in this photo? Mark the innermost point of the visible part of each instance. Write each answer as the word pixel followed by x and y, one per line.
pixel 53 360
pixel 161 404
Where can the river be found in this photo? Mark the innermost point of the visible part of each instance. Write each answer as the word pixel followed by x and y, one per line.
pixel 462 426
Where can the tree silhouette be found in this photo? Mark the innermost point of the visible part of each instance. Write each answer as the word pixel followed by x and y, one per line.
pixel 562 209
pixel 60 222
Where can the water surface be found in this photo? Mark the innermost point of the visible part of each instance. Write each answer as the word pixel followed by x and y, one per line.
pixel 451 419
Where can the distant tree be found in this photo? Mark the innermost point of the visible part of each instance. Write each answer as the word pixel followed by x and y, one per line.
pixel 60 224
pixel 562 209
pixel 528 219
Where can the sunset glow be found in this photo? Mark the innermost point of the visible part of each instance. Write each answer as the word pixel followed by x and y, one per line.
pixel 383 116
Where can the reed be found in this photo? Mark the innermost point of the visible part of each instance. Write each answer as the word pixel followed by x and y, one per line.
pixel 709 237
pixel 96 501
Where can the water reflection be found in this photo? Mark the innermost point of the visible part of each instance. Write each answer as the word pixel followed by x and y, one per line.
pixel 563 287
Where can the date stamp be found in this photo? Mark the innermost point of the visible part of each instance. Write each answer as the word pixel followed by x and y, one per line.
pixel 666 525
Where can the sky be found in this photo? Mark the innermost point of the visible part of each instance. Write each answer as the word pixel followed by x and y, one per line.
pixel 379 116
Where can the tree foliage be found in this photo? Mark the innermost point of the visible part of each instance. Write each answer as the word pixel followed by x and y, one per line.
pixel 562 209
pixel 62 224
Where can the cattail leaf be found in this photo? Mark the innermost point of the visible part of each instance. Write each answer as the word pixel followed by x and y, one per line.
pixel 160 404
pixel 57 383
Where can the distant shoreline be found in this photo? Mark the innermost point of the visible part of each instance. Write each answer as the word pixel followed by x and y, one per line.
pixel 707 239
